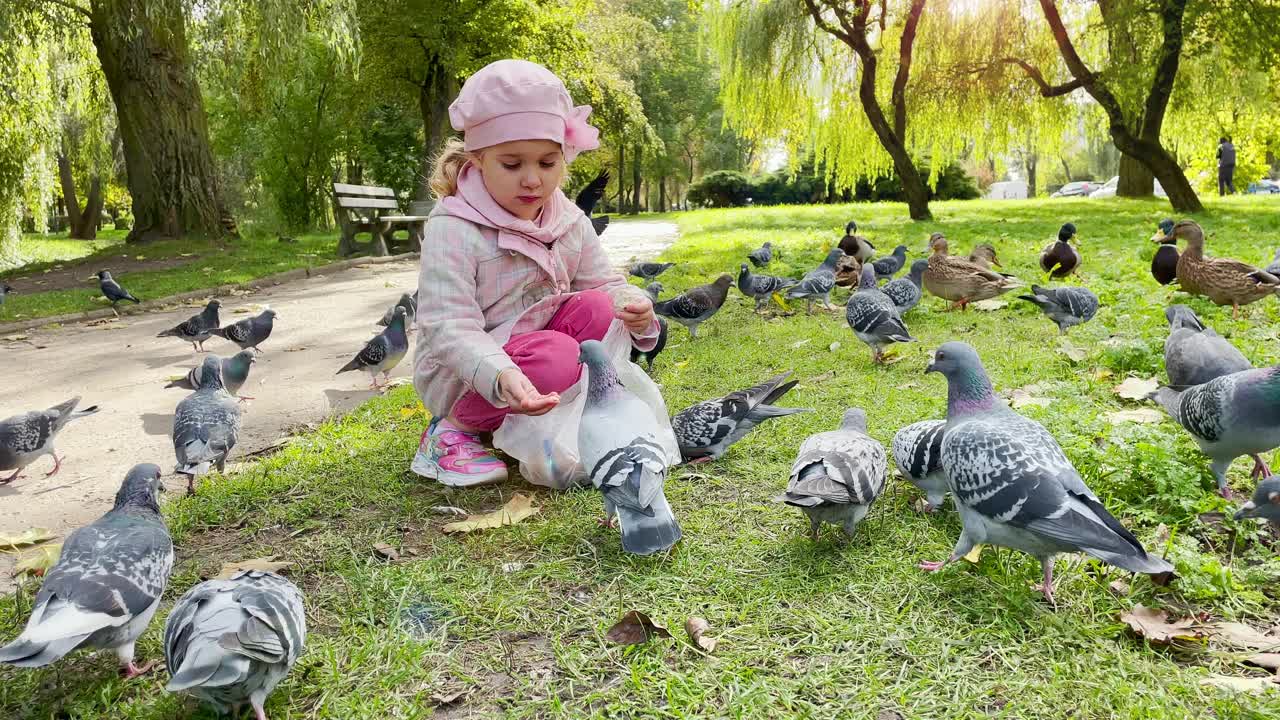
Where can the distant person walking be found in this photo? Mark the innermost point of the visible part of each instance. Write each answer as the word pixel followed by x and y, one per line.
pixel 1226 166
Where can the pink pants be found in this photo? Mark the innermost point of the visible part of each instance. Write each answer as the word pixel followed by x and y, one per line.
pixel 548 357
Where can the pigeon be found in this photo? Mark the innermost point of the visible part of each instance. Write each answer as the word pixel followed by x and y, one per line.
pixel 706 430
pixel 1164 264
pixel 235 370
pixel 250 332
pixel 837 475
pixel 1195 354
pixel 1265 503
pixel 761 256
pixel 1066 306
pixel 653 290
pixel 196 329
pixel 697 305
pixel 761 287
pixel 25 437
pixel 1230 416
pixel 905 292
pixel 206 425
pixel 230 642
pixel 106 585
pixel 1014 487
pixel 619 440
pixel 383 352
pixel 817 283
pixel 648 271
pixel 5 290
pixel 856 245
pixel 112 290
pixel 410 305
pixel 873 317
pixel 589 197
pixel 1273 268
pixel 1060 258
pixel 984 255
pixel 651 355
pixel 917 450
pixel 887 267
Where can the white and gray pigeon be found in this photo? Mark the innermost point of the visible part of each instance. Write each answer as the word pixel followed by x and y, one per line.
pixel 25 438
pixel 1194 354
pixel 706 430
pixel 817 283
pixel 1014 487
pixel 1274 266
pixel 383 352
pixel 647 271
pixel 696 306
pixel 5 290
pixel 905 292
pixel 410 305
pixel 1230 416
pixel 106 585
pixel 761 256
pixel 873 317
pixel 235 371
pixel 250 332
pixel 888 266
pixel 112 291
pixel 230 642
pixel 1066 306
pixel 837 475
pixel 197 328
pixel 620 443
pixel 1265 503
pixel 917 451
pixel 761 287
pixel 206 426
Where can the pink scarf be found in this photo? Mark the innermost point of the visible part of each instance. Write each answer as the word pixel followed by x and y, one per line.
pixel 534 239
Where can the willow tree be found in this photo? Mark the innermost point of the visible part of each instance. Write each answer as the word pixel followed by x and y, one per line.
pixel 28 137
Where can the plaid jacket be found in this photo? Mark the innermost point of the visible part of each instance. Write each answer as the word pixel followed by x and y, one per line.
pixel 474 295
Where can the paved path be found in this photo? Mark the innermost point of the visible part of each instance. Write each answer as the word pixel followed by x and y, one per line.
pixel 122 366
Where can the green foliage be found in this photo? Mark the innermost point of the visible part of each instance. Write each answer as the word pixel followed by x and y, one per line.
pixel 722 188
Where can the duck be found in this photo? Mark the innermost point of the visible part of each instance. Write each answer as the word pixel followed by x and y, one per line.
pixel 856 245
pixel 1222 280
pixel 960 281
pixel 848 271
pixel 1060 258
pixel 984 254
pixel 1164 266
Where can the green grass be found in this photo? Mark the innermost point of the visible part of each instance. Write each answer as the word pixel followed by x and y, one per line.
pixel 39 248
pixel 517 616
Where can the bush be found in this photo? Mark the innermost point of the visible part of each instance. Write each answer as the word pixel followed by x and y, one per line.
pixel 722 188
pixel 730 188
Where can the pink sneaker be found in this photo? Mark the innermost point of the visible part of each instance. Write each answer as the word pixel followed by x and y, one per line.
pixel 455 458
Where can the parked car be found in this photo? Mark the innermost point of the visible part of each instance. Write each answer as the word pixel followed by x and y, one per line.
pixel 1078 188
pixel 1108 189
pixel 1264 187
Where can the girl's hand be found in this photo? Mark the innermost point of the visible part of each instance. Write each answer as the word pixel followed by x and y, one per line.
pixel 517 391
pixel 637 316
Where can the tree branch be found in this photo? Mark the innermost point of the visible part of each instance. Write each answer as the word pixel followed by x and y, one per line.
pixel 1046 90
pixel 1171 14
pixel 905 49
pixel 71 6
pixel 816 13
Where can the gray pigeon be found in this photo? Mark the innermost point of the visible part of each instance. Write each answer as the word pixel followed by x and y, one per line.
pixel 905 292
pixel 917 450
pixel 837 475
pixel 1265 503
pixel 206 425
pixel 697 305
pixel 653 290
pixel 761 287
pixel 706 430
pixel 196 329
pixel 230 642
pixel 1012 484
pixel 1274 267
pixel 112 291
pixel 761 256
pixel 410 305
pixel 619 440
pixel 5 290
pixel 1066 306
pixel 25 437
pixel 873 316
pixel 1194 354
pixel 887 267
pixel 647 271
pixel 1230 416
pixel 651 355
pixel 817 283
pixel 235 370
pixel 250 332
pixel 383 352
pixel 106 585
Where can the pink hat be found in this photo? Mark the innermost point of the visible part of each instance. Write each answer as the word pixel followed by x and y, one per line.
pixel 519 100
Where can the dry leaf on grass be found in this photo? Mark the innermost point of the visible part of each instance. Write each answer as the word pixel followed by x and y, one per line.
pixel 634 628
pixel 1136 388
pixel 1240 635
pixel 448 510
pixel 449 698
pixel 1021 398
pixel 386 551
pixel 1141 415
pixel 31 536
pixel 1270 661
pixel 263 564
pixel 833 347
pixel 974 555
pixel 1241 684
pixel 800 344
pixel 1073 353
pixel 15 338
pixel 989 305
pixel 519 507
pixel 298 348
pixel 1154 625
pixel 37 562
pixel 697 628
pixel 1119 587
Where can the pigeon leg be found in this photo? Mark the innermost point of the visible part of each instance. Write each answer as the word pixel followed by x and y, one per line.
pixel 194 346
pixel 1046 587
pixel 11 478
pixel 1235 311
pixel 191 485
pixel 608 521
pixel 700 459
pixel 1219 468
pixel 131 670
pixel 963 547
pixel 1261 470
pixel 813 528
pixel 258 712
pixel 57 465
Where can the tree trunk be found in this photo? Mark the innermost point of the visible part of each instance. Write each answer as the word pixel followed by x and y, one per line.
pixel 171 173
pixel 635 181
pixel 622 177
pixel 1030 161
pixel 435 93
pixel 662 193
pixel 81 224
pixel 1135 179
pixel 1066 169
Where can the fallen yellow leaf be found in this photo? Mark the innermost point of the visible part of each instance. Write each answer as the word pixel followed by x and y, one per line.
pixel 264 564
pixel 38 562
pixel 519 507
pixel 32 536
pixel 974 554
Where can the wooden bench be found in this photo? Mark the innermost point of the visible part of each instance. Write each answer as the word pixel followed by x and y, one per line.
pixel 373 210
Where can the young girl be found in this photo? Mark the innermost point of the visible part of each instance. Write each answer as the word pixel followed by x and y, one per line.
pixel 513 276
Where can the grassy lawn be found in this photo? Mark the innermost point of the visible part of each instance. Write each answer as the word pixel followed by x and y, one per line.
pixel 53 248
pixel 512 621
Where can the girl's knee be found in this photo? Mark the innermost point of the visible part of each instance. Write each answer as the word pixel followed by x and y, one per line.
pixel 592 312
pixel 550 360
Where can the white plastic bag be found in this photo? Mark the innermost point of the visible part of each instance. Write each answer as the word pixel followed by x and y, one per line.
pixel 547 445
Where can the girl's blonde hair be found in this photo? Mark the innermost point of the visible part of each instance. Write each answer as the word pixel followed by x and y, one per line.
pixel 447 165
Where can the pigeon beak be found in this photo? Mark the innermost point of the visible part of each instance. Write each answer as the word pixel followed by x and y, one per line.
pixel 1245 510
pixel 931 368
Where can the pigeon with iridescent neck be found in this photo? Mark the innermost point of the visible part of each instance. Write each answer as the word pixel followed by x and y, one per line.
pixel 206 425
pixel 697 305
pixel 761 287
pixel 235 371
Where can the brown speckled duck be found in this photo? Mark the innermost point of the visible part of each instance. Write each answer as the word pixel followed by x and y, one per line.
pixel 1060 258
pixel 1222 280
pixel 960 281
pixel 984 254
pixel 856 245
pixel 848 271
pixel 1164 266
